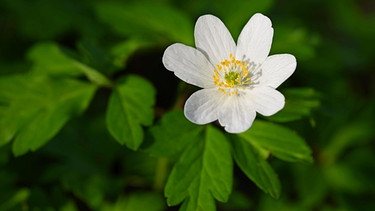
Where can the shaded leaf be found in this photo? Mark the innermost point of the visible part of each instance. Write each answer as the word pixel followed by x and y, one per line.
pixel 49 59
pixel 233 15
pixel 35 108
pixel 130 108
pixel 343 178
pixel 203 173
pixel 124 50
pixel 299 103
pixel 172 134
pixel 140 19
pixel 295 40
pixel 139 201
pixel 255 166
pixel 280 141
pixel 16 200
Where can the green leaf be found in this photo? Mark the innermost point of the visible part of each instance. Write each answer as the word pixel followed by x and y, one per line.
pixel 295 40
pixel 35 108
pixel 130 108
pixel 147 20
pixel 172 134
pixel 280 141
pixel 202 173
pixel 124 50
pixel 139 201
pixel 49 59
pixel 255 166
pixel 299 103
pixel 342 177
pixel 15 201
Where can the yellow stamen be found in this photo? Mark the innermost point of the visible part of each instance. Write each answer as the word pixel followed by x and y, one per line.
pixel 231 75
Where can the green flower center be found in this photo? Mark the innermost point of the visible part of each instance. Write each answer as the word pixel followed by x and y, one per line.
pixel 232 77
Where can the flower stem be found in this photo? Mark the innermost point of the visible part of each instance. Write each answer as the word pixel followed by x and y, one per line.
pixel 160 174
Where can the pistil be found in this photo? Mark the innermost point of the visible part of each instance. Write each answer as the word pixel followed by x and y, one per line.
pixel 231 75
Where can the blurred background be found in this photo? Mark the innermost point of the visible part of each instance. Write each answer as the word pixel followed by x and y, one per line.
pixel 83 168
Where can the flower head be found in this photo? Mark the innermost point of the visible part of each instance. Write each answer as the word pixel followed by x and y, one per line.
pixel 237 80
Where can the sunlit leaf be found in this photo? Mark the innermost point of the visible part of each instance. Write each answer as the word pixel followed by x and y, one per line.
pixel 34 109
pixel 49 59
pixel 147 20
pixel 130 108
pixel 280 141
pixel 203 173
pixel 255 166
pixel 172 134
pixel 299 103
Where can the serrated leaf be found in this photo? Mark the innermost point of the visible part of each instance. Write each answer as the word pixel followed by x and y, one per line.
pixel 153 20
pixel 130 108
pixel 34 108
pixel 254 165
pixel 282 142
pixel 172 133
pixel 49 59
pixel 203 173
pixel 299 103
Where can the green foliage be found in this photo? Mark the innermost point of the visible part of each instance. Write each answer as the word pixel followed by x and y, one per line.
pixel 172 134
pixel 278 140
pixel 299 103
pixel 98 120
pixel 138 201
pixel 130 108
pixel 124 50
pixel 35 108
pixel 255 166
pixel 147 20
pixel 49 59
pixel 17 198
pixel 203 172
pixel 253 147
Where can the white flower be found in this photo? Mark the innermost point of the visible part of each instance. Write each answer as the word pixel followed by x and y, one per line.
pixel 237 81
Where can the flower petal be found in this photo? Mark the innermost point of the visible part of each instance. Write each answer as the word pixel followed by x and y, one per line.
pixel 236 114
pixel 189 64
pixel 213 38
pixel 255 39
pixel 276 69
pixel 202 106
pixel 266 100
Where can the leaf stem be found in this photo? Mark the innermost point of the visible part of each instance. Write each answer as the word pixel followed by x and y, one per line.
pixel 160 174
pixel 95 77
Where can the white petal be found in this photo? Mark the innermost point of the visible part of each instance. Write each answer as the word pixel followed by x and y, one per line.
pixel 266 100
pixel 202 106
pixel 276 69
pixel 255 39
pixel 213 38
pixel 189 64
pixel 237 114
